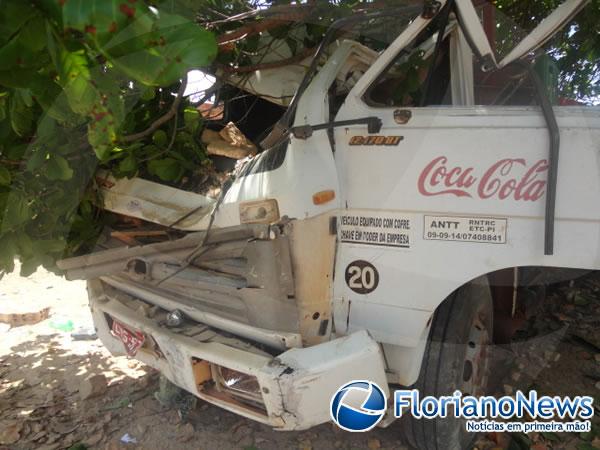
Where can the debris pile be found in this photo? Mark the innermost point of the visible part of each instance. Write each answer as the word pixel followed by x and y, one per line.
pixel 229 142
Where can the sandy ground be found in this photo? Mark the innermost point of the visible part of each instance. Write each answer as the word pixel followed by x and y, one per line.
pixel 42 369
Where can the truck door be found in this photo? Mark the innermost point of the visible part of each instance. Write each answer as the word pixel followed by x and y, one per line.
pixel 452 187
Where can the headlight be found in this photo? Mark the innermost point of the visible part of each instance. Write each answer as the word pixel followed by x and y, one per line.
pixel 263 211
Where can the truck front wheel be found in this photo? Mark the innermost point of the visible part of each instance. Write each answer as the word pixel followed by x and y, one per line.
pixel 457 357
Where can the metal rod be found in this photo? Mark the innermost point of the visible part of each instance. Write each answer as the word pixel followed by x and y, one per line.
pixel 554 133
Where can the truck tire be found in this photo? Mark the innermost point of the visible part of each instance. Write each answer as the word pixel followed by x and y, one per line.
pixel 457 357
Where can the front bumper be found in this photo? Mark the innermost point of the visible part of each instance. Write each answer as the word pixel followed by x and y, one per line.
pixel 290 391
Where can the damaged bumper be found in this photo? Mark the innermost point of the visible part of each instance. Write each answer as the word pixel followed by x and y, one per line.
pixel 289 390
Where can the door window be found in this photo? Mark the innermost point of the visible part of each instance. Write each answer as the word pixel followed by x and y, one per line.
pixel 403 82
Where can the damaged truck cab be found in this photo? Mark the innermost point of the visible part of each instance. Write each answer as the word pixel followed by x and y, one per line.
pixel 358 244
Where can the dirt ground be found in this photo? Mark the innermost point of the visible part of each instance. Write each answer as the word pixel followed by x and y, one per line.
pixel 43 368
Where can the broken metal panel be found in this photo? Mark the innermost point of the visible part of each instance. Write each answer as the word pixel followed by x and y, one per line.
pixel 155 202
pixel 124 253
pixel 279 85
pixel 474 32
pixel 105 290
pixel 275 85
pixel 309 377
pixel 313 252
pixel 232 266
pixel 115 260
pixel 252 306
pixel 210 298
pixel 227 250
pixel 260 293
pixel 270 312
pixel 200 332
pixel 269 264
pixel 248 307
pixel 545 30
pixel 354 67
pixel 192 277
pixel 228 307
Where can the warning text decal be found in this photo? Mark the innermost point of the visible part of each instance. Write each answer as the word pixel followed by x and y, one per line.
pixel 383 229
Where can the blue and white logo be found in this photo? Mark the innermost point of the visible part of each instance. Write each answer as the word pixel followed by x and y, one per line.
pixel 358 406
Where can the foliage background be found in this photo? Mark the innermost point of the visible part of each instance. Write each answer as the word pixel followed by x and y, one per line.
pixel 88 84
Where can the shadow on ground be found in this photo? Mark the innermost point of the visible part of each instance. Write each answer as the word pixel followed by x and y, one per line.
pixel 41 408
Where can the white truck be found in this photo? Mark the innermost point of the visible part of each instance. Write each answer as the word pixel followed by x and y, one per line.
pixel 362 243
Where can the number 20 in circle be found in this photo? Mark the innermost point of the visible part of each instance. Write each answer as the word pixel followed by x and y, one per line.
pixel 362 277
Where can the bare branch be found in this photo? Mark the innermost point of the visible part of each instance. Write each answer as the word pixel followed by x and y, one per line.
pixel 244 31
pixel 270 65
pixel 277 16
pixel 161 120
pixel 277 10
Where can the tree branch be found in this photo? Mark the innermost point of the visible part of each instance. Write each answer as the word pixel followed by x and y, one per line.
pixel 277 16
pixel 277 10
pixel 161 120
pixel 244 31
pixel 270 65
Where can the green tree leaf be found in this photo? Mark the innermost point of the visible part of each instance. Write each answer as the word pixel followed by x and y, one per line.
pixel 128 165
pixel 21 116
pixel 90 93
pixel 29 266
pixel 33 35
pixel 8 253
pixel 158 51
pixel 76 80
pixel 160 138
pixel 37 159
pixel 58 168
pixel 14 14
pixel 24 244
pixel 23 49
pixel 5 176
pixel 50 245
pixel 167 169
pixel 192 119
pixel 100 18
pixel 19 78
pixel 17 211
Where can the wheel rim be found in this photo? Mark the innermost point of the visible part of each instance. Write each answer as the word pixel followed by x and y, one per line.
pixel 476 365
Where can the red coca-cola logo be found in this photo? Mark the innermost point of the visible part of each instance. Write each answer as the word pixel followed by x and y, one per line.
pixel 508 178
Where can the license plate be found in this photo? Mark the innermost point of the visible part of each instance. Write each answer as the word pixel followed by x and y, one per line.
pixel 132 340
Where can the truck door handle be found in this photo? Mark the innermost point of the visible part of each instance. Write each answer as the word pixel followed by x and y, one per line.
pixel 402 116
pixel 374 125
